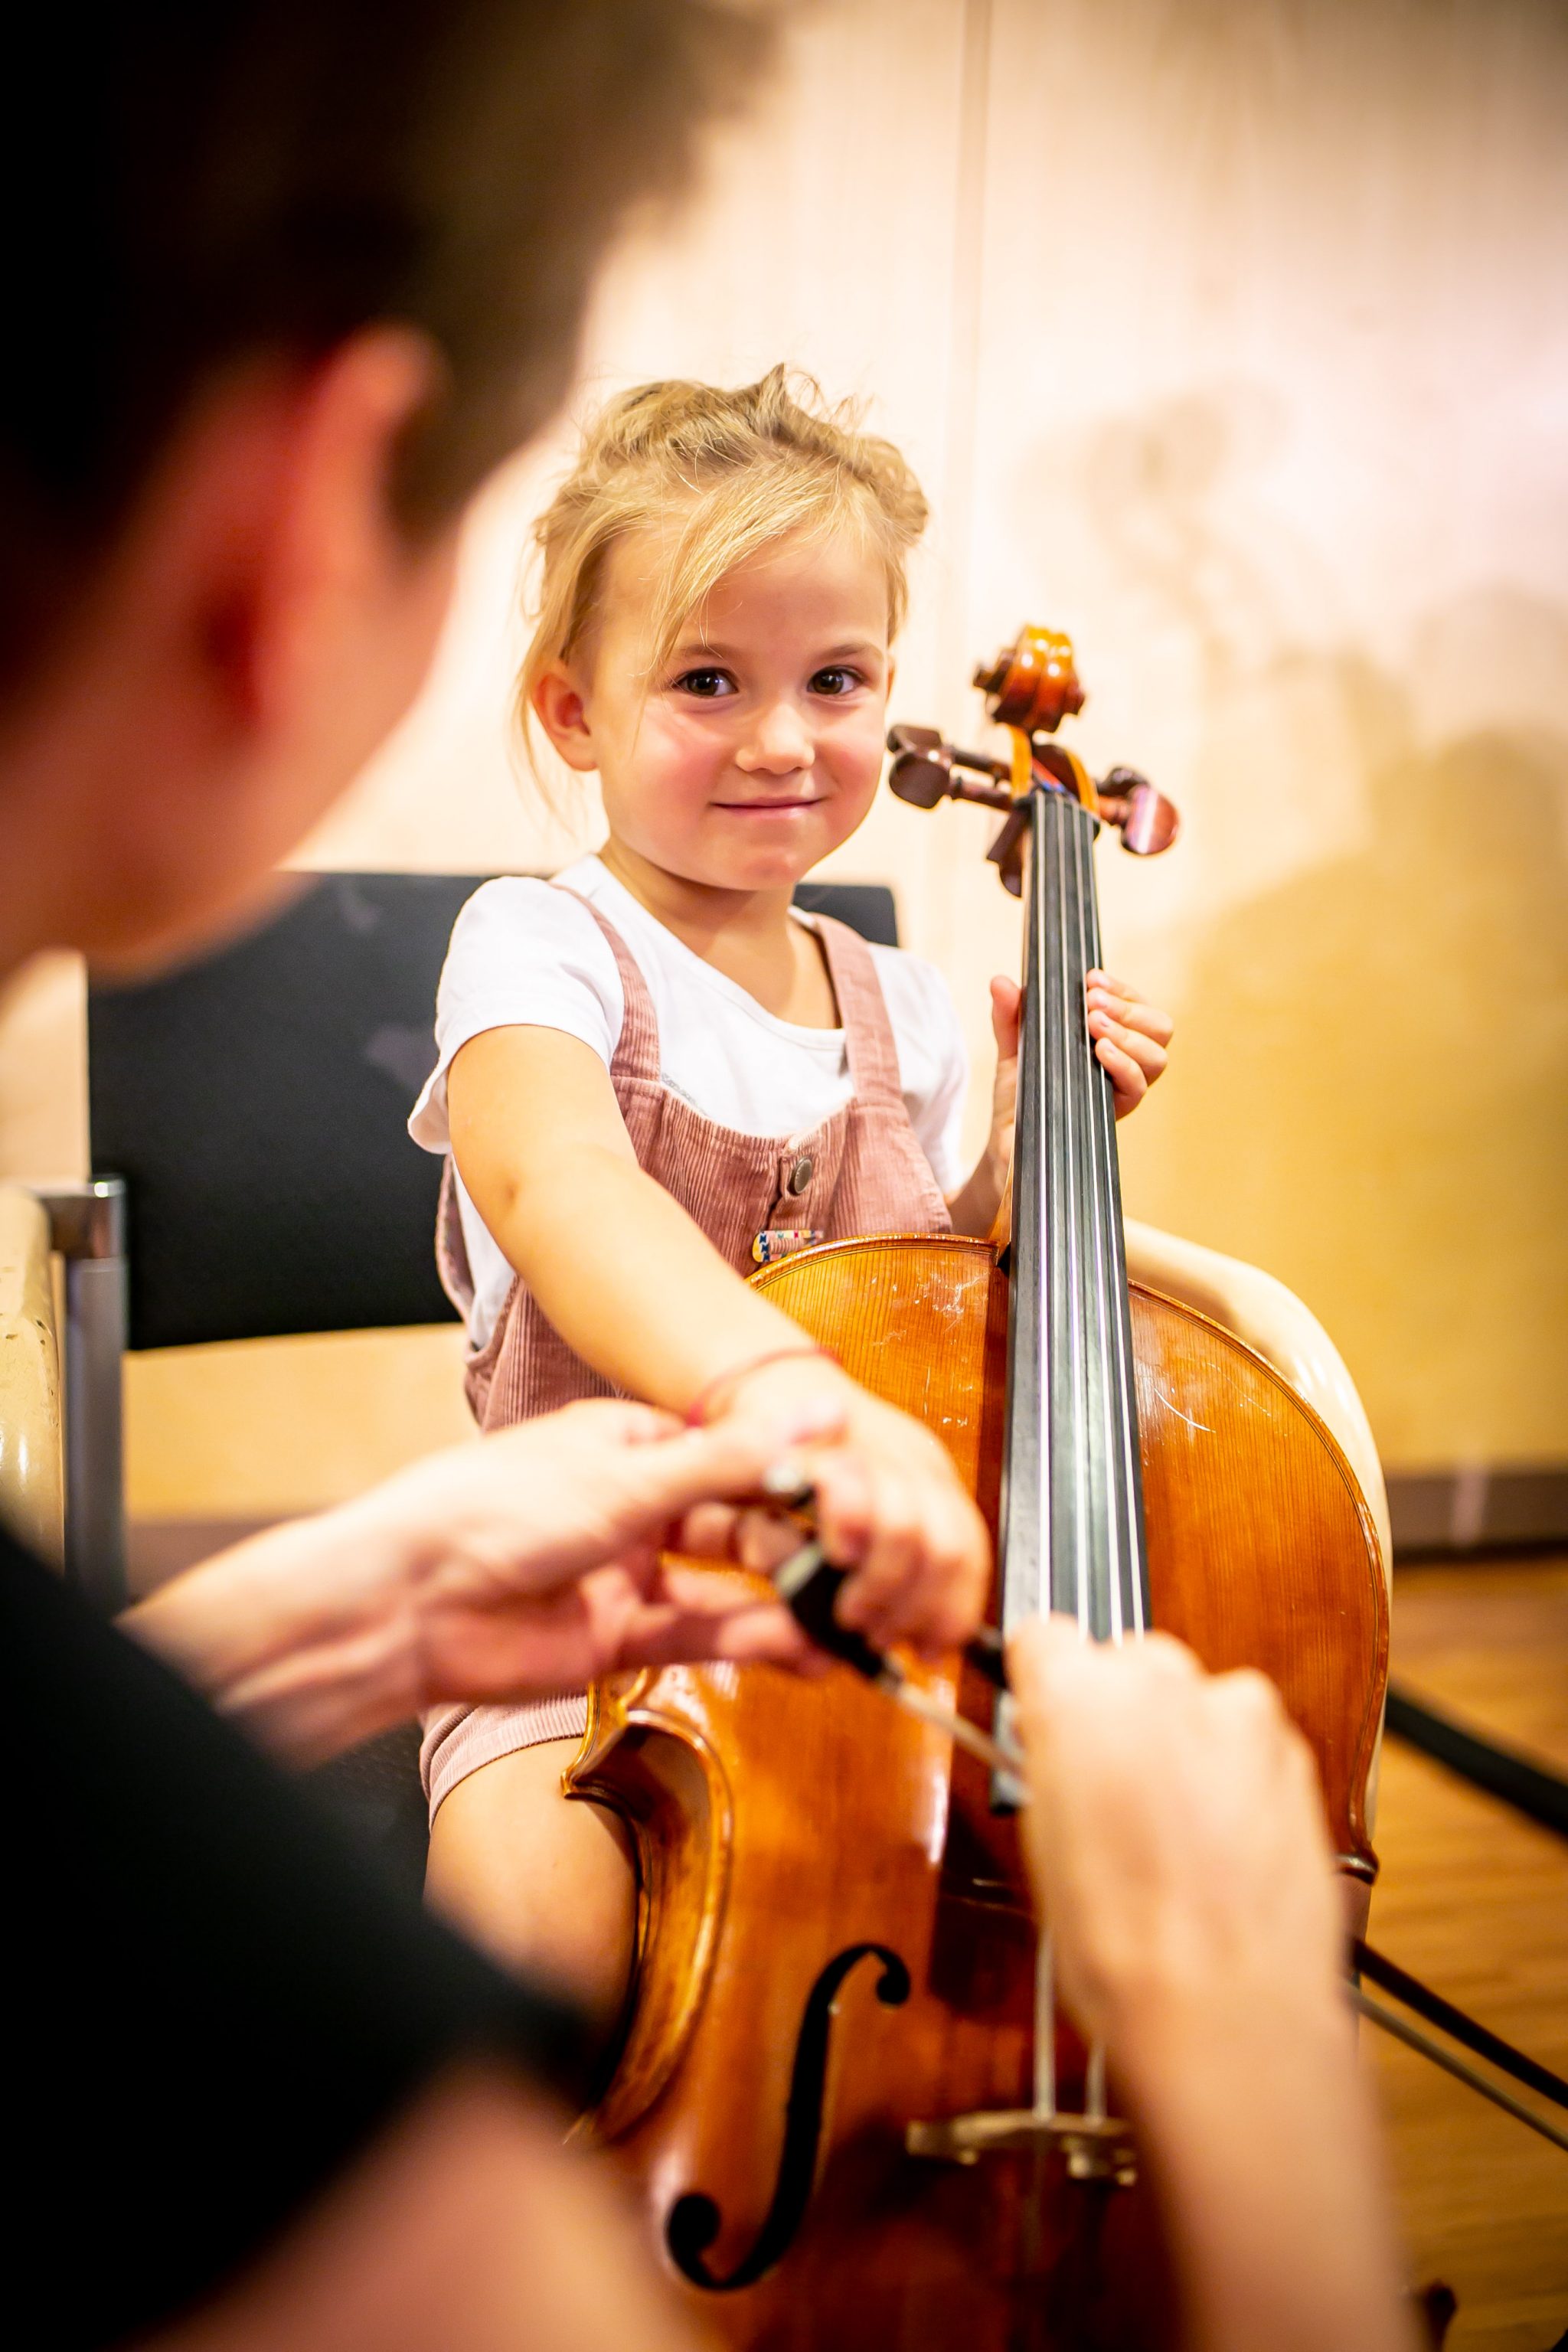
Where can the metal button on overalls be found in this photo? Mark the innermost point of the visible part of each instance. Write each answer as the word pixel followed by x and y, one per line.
pixel 800 1175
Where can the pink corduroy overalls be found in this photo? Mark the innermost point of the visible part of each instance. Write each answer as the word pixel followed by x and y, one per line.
pixel 862 1171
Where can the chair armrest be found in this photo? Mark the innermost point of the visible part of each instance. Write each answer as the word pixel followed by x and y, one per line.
pixel 31 1455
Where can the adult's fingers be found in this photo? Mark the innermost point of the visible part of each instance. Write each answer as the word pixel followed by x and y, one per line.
pixel 703 1613
pixel 1056 1672
pixel 758 1539
pixel 610 1421
pixel 725 1462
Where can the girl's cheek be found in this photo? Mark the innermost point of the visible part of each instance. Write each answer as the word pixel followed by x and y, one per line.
pixel 860 756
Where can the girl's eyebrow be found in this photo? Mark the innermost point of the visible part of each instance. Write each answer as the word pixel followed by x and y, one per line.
pixel 858 647
pixel 709 649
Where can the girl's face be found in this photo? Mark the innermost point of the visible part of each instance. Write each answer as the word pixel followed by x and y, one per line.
pixel 757 747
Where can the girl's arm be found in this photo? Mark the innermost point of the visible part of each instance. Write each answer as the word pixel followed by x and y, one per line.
pixel 637 1289
pixel 1131 1042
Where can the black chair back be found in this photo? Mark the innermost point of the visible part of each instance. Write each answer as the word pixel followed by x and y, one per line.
pixel 255 1105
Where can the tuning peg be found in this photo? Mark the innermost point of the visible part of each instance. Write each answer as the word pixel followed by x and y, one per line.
pixel 922 771
pixel 1147 822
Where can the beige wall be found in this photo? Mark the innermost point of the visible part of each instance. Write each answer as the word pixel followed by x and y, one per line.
pixel 1232 336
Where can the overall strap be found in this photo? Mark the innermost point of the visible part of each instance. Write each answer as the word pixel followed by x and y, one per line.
pixel 636 1048
pixel 872 1055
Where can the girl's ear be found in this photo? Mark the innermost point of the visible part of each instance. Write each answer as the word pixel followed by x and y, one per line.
pixel 561 710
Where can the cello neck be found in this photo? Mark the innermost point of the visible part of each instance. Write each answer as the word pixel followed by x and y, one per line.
pixel 1072 1507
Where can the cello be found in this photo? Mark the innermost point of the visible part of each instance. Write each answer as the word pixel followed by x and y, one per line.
pixel 849 2109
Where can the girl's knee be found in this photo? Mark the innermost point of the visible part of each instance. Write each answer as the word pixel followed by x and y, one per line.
pixel 546 1882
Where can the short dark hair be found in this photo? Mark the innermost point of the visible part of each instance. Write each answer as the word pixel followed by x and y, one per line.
pixel 192 181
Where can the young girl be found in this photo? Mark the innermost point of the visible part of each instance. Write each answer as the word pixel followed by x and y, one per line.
pixel 654 1074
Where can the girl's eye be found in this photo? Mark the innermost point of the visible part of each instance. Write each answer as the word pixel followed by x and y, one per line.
pixel 707 685
pixel 836 681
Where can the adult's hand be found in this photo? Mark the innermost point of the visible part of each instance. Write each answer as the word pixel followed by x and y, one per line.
pixel 1176 1837
pixel 526 1564
pixel 541 1553
pixel 1175 1840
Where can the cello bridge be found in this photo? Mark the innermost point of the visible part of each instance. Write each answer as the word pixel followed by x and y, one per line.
pixel 1095 2147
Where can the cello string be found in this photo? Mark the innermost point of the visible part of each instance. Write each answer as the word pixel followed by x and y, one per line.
pixel 1068 1224
pixel 1045 2027
pixel 1055 1131
pixel 1028 1501
pixel 1079 1211
pixel 1122 1468
pixel 1103 1210
pixel 1120 1400
pixel 1129 1485
pixel 1108 1515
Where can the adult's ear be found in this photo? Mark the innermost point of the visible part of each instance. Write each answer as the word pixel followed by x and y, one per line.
pixel 562 710
pixel 331 565
pixel 259 625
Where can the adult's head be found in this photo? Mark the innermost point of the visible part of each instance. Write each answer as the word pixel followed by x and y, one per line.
pixel 289 278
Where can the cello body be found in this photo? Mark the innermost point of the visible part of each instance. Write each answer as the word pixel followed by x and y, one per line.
pixel 835 1938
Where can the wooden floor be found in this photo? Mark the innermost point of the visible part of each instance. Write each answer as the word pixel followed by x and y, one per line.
pixel 1475 1900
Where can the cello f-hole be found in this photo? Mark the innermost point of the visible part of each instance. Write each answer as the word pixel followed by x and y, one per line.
pixel 695 2219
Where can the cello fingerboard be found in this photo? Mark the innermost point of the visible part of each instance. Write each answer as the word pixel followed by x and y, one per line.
pixel 1071 1530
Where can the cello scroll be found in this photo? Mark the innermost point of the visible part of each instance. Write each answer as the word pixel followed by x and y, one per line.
pixel 1029 688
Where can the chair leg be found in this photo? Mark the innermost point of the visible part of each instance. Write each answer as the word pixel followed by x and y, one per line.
pixel 88 1226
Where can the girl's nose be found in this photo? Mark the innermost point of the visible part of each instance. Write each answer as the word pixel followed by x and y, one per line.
pixel 778 744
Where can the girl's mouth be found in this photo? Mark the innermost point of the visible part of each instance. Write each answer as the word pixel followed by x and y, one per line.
pixel 768 808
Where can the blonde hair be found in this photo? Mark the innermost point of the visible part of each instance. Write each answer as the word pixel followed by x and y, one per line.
pixel 721 475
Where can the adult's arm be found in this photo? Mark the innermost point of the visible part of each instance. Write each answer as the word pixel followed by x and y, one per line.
pixel 526 1564
pixel 1176 1842
pixel 216 2005
pixel 466 2227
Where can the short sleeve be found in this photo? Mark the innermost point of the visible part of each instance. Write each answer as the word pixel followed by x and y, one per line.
pixel 933 1061
pixel 523 955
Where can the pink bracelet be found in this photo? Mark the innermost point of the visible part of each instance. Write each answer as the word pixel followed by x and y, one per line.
pixel 696 1411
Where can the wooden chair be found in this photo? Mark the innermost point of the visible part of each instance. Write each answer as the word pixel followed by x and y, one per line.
pixel 32 1471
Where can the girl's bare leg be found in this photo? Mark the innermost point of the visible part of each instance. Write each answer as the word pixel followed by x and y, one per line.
pixel 543 1882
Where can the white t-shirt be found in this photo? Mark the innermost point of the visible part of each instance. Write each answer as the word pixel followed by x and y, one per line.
pixel 525 955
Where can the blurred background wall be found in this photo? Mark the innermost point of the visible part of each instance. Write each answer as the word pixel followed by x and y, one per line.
pixel 1232 337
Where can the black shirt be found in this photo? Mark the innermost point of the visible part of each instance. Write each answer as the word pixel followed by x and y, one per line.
pixel 214 1999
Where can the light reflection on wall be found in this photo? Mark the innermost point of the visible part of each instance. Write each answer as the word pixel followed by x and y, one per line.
pixel 1231 335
